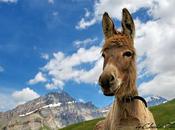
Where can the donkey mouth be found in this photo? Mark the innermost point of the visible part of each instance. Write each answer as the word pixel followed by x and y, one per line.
pixel 107 92
pixel 111 89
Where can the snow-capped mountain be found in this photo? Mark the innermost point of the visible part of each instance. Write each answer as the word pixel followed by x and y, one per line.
pixel 105 109
pixel 155 100
pixel 54 110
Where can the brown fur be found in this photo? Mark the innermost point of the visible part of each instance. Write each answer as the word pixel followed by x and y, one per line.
pixel 119 78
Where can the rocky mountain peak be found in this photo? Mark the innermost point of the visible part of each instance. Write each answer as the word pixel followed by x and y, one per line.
pixel 155 100
pixel 57 97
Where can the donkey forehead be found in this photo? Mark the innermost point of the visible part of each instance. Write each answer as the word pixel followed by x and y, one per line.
pixel 118 41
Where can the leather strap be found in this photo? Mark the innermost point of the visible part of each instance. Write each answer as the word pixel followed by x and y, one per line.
pixel 132 98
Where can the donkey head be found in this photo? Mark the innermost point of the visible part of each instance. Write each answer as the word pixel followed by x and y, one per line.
pixel 119 74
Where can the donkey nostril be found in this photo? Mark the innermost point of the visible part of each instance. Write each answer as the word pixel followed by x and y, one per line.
pixel 103 82
pixel 106 80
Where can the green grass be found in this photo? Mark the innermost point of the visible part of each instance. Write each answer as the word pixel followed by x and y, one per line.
pixel 45 128
pixel 163 114
pixel 166 128
pixel 87 125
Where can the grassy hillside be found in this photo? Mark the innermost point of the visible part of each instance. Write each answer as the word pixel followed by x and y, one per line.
pixel 87 125
pixel 164 114
pixel 44 128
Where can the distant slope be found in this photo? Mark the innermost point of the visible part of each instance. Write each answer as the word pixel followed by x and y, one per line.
pixel 87 125
pixel 164 114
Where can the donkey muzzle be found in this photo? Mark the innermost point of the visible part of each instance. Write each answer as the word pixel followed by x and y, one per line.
pixel 107 82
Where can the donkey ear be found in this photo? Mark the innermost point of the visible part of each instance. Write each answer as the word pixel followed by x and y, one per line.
pixel 108 26
pixel 128 24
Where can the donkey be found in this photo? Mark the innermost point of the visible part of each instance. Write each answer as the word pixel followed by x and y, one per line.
pixel 129 111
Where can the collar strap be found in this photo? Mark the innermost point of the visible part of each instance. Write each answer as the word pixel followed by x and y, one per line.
pixel 132 98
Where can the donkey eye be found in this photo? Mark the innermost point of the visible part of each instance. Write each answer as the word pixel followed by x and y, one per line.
pixel 127 53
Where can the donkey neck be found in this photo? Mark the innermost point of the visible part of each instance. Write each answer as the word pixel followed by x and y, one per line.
pixel 123 112
pixel 128 87
pixel 127 110
pixel 127 92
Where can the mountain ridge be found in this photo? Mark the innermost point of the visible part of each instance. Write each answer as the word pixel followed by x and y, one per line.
pixel 54 110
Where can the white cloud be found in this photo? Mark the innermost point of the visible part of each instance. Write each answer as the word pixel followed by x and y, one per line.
pixel 155 39
pixel 62 68
pixel 162 84
pixel 5 103
pixel 51 1
pixel 87 13
pixel 82 24
pixel 9 100
pixel 10 1
pixel 92 75
pixel 1 69
pixel 24 95
pixel 86 20
pixel 83 43
pixel 38 78
pixel 56 83
pixel 157 42
pixel 45 56
pixel 114 8
pixel 163 9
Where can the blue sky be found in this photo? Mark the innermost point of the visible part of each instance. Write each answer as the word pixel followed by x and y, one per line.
pixel 37 37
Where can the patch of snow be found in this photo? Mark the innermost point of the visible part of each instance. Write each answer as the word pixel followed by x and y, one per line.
pixel 156 97
pixel 46 106
pixel 28 113
pixel 52 105
pixel 148 99
pixel 104 111
pixel 71 102
pixel 164 101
